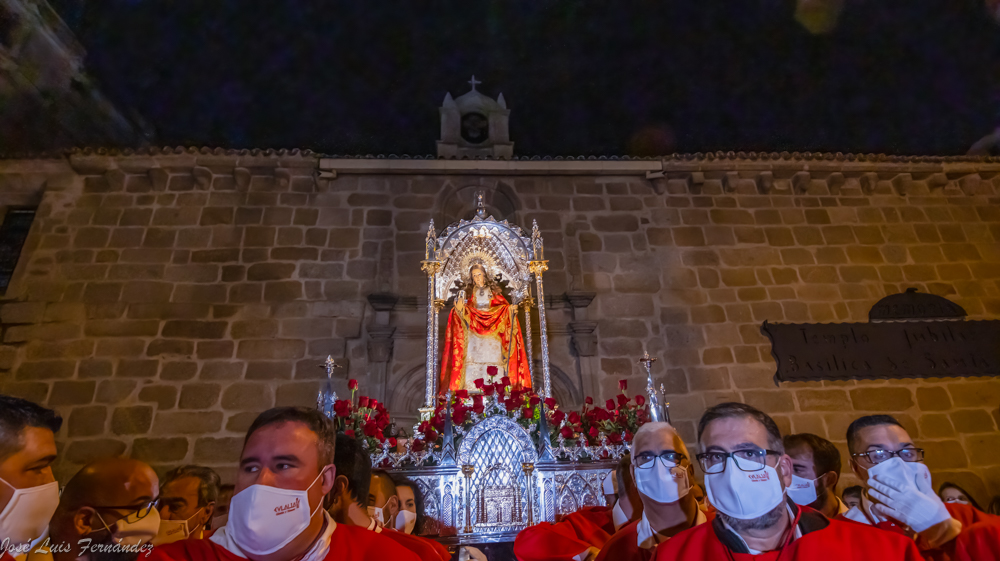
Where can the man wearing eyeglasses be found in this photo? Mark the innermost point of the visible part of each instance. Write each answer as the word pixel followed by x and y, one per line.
pixel 746 474
pixel 663 474
pixel 107 512
pixel 898 494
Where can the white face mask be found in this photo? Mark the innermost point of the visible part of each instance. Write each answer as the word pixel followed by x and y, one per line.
pixel 376 514
pixel 803 491
pixel 909 474
pixel 28 512
pixel 172 531
pixel 405 521
pixel 133 530
pixel 744 494
pixel 618 516
pixel 264 519
pixel 661 483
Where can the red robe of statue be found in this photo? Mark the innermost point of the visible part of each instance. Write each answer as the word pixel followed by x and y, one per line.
pixel 500 321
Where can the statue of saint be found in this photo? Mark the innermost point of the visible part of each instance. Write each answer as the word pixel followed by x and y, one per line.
pixel 483 331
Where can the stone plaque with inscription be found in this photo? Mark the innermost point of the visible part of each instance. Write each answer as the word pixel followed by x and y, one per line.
pixel 900 349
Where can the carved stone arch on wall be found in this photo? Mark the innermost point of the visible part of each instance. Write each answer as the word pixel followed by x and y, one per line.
pixel 568 395
pixel 459 202
pixel 406 394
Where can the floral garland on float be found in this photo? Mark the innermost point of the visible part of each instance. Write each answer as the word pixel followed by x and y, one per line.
pixel 365 419
pixel 592 433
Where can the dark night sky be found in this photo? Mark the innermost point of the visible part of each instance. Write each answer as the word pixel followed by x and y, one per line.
pixel 581 76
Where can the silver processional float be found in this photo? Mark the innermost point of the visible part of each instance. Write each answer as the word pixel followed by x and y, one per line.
pixel 486 469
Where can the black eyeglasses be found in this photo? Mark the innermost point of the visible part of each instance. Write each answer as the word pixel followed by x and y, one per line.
pixel 879 456
pixel 141 511
pixel 745 460
pixel 646 460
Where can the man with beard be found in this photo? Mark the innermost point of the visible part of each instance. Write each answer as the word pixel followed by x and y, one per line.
pixel 351 492
pixel 29 493
pixel 663 473
pixel 286 469
pixel 898 494
pixel 815 473
pixel 746 473
pixel 107 512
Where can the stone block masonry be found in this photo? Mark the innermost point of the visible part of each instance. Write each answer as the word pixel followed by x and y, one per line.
pixel 163 299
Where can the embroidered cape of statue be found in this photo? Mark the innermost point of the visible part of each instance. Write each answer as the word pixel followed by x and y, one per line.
pixel 476 338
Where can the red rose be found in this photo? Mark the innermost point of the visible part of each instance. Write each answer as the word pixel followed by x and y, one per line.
pixel 458 416
pixel 342 408
pixel 527 412
pixel 574 418
pixel 589 400
pixel 382 421
pixel 431 436
pixel 558 417
pixel 550 402
pixel 566 432
pixel 640 401
pixel 479 383
pixel 614 438
pixel 349 433
pixel 622 400
pixel 610 404
pixel 373 403
pixel 424 426
pixel 352 385
pixel 623 385
pixel 510 404
pixel 438 422
pixel 628 436
pixel 371 429
pixel 488 390
pixel 478 408
pixel 501 389
pixel 593 432
pixel 462 394
pixel 491 371
pixel 416 445
pixel 363 401
pixel 393 442
pixel 534 400
pixel 478 398
pixel 505 381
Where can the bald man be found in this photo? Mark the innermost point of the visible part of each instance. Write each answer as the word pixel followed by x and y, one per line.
pixel 663 473
pixel 107 503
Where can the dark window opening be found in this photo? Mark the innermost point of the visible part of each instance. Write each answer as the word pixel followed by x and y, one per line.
pixel 13 233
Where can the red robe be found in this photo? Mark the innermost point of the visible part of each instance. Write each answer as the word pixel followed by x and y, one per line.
pixel 498 320
pixel 968 515
pixel 347 543
pixel 978 542
pixel 821 540
pixel 564 540
pixel 624 546
pixel 424 548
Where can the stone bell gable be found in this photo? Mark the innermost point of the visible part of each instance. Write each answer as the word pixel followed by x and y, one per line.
pixel 164 297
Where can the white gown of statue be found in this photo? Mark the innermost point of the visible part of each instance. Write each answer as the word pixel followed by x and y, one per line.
pixel 482 351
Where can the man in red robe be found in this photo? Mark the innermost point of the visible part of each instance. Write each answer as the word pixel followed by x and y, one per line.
pixel 351 493
pixel 816 471
pixel 286 468
pixel 898 495
pixel 663 473
pixel 29 493
pixel 746 474
pixel 483 330
pixel 978 542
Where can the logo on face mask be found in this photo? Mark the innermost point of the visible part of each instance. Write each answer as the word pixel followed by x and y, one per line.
pixel 279 510
pixel 760 476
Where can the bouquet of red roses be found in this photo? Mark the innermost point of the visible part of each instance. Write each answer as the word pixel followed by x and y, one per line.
pixel 495 396
pixel 618 420
pixel 364 418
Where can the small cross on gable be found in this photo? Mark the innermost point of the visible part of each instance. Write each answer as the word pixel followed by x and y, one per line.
pixel 474 82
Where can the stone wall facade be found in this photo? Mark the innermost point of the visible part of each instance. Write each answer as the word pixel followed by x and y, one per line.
pixel 163 299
